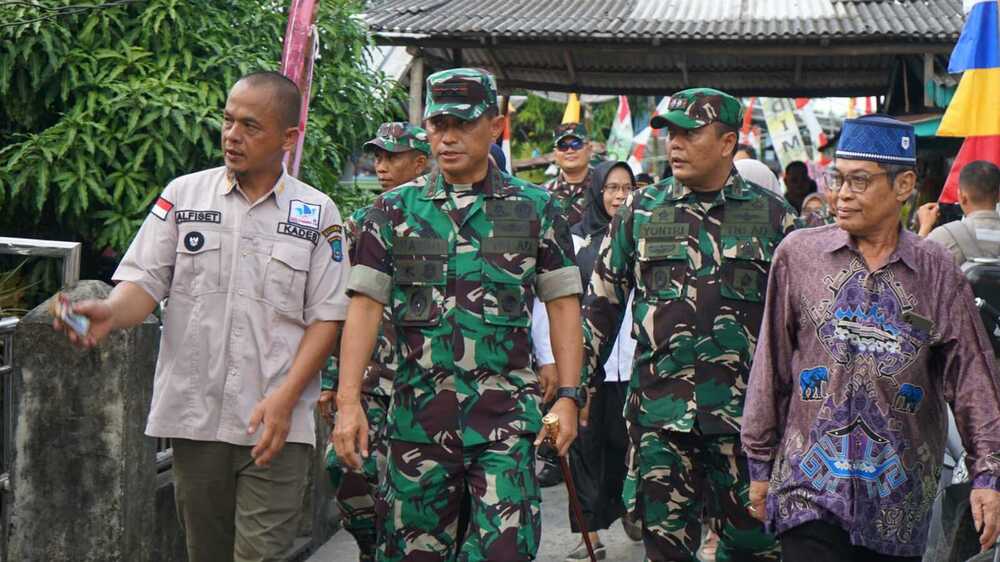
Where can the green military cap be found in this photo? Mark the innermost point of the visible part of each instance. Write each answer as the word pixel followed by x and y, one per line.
pixel 399 137
pixel 578 130
pixel 465 93
pixel 697 107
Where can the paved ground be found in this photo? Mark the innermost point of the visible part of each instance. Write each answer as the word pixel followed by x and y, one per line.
pixel 557 540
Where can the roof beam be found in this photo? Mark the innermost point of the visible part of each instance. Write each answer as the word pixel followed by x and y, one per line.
pixel 498 69
pixel 744 49
pixel 568 58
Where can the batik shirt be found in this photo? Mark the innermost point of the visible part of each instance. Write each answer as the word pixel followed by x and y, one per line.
pixel 572 196
pixel 699 270
pixel 459 267
pixel 846 408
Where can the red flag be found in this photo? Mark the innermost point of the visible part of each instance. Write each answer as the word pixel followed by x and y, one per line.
pixel 974 148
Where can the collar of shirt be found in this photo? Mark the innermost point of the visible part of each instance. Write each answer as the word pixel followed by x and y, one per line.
pixel 838 239
pixel 985 214
pixel 584 182
pixel 735 188
pixel 280 193
pixel 490 186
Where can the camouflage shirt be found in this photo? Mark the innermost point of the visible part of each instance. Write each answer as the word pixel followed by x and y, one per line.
pixel 572 196
pixel 458 268
pixel 699 270
pixel 821 217
pixel 378 376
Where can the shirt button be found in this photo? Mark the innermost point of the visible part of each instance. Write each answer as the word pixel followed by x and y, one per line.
pixel 242 292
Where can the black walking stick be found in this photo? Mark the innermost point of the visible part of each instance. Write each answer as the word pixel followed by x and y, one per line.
pixel 551 423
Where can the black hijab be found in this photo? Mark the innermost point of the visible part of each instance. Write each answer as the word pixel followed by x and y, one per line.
pixel 595 217
pixel 594 225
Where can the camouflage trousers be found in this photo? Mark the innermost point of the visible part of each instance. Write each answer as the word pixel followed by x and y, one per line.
pixel 357 489
pixel 424 488
pixel 681 475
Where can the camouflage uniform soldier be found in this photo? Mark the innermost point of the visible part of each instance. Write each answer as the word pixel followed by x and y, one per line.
pixel 458 262
pixel 572 155
pixel 401 153
pixel 696 249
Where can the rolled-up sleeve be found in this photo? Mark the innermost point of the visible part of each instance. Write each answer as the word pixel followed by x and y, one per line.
pixel 149 261
pixel 765 409
pixel 372 274
pixel 971 385
pixel 329 267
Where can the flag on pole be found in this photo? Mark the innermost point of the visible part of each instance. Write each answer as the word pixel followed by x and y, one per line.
pixel 505 145
pixel 620 140
pixel 804 108
pixel 572 113
pixel 974 112
pixel 639 149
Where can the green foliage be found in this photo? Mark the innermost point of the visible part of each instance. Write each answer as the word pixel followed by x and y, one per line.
pixel 101 108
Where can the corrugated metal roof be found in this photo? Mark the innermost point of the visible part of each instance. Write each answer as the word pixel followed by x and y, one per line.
pixel 672 20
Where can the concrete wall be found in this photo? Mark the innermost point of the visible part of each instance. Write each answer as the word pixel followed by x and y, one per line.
pixel 84 485
pixel 82 476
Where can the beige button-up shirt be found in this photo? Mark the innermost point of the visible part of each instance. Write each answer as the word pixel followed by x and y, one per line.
pixel 244 281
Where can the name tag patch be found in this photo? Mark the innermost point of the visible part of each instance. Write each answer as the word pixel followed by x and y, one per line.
pixel 187 215
pixel 304 214
pixel 416 246
pixel 297 231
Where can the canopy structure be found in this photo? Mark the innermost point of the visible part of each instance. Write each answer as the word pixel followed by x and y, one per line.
pixel 778 48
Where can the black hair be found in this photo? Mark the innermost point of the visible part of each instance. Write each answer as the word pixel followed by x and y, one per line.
pixel 798 164
pixel 751 151
pixel 286 93
pixel 723 128
pixel 980 181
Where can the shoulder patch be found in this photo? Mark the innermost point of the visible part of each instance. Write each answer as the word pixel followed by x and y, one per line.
pixel 332 230
pixel 161 208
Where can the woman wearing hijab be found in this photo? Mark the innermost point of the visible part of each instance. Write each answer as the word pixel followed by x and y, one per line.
pixel 598 456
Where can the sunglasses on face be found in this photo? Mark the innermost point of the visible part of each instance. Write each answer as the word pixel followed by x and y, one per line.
pixel 570 144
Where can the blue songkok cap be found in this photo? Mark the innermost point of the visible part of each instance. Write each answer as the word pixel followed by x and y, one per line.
pixel 878 138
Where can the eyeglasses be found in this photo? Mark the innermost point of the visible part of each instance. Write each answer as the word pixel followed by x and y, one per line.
pixel 857 183
pixel 572 144
pixel 618 187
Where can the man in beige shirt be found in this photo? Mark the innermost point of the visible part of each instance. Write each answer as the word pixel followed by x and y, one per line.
pixel 978 234
pixel 253 263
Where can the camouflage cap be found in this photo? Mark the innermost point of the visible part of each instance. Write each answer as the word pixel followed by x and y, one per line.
pixel 578 130
pixel 697 107
pixel 465 93
pixel 399 137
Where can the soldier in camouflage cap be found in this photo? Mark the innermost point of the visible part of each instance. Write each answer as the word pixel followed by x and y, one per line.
pixel 696 249
pixel 401 152
pixel 572 154
pixel 458 263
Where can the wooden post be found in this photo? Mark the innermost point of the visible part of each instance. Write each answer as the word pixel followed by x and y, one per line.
pixel 417 90
pixel 928 80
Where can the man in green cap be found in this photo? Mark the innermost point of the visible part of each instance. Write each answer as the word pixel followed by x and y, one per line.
pixel 696 249
pixel 401 152
pixel 459 262
pixel 572 155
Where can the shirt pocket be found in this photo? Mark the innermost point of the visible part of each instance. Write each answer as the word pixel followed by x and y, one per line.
pixel 662 268
pixel 285 276
pixel 418 294
pixel 198 267
pixel 508 271
pixel 746 261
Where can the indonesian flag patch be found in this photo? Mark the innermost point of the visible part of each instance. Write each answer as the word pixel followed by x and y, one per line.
pixel 161 208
